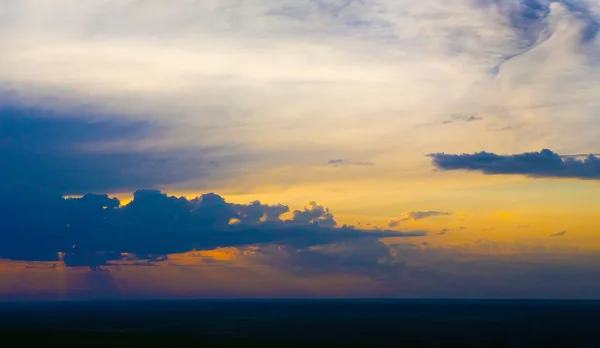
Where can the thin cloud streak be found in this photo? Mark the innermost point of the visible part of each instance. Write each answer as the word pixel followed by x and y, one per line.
pixel 417 215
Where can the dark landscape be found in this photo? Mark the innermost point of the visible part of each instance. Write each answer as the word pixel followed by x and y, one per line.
pixel 374 323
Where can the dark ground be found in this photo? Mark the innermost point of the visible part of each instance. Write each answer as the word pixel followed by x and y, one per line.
pixel 371 323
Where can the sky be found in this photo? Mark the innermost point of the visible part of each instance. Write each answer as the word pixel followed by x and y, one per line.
pixel 299 148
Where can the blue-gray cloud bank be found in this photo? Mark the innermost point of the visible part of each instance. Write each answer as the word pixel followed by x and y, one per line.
pixel 542 164
pixel 67 152
pixel 37 225
pixel 46 155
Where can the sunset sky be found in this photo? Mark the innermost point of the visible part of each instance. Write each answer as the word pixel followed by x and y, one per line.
pixel 454 139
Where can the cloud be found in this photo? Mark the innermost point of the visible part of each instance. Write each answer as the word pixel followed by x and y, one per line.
pixel 108 96
pixel 417 215
pixel 453 119
pixel 344 163
pixel 462 118
pixel 72 153
pixel 36 225
pixel 503 129
pixel 558 234
pixel 353 268
pixel 543 164
pixel 471 57
pixel 531 17
pixel 444 231
pixel 482 270
pixel 314 214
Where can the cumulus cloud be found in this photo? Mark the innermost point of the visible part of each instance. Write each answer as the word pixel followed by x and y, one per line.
pixel 314 214
pixel 418 215
pixel 542 164
pixel 36 225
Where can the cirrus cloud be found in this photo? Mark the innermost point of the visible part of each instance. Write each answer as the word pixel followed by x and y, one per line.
pixel 227 89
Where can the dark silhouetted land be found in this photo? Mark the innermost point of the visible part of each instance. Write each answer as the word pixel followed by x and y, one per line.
pixel 373 323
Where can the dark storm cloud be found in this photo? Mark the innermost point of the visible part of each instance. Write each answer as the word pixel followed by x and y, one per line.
pixel 41 148
pixel 36 225
pixel 543 164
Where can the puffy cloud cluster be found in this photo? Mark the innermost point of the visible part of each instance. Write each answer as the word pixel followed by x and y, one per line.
pixel 314 214
pixel 36 225
pixel 542 164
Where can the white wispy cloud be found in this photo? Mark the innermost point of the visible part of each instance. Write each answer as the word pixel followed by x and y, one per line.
pixel 314 79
